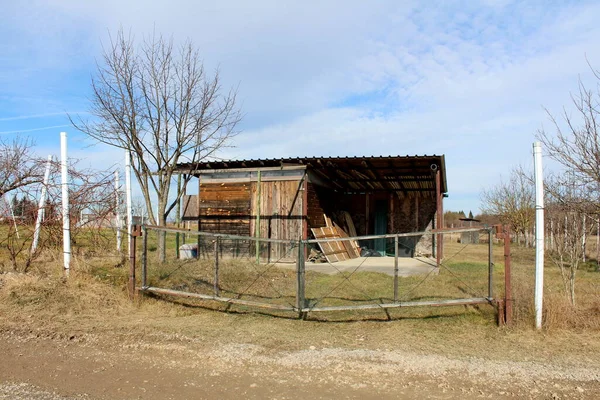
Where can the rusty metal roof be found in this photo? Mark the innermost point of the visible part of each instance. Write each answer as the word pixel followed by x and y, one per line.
pixel 351 174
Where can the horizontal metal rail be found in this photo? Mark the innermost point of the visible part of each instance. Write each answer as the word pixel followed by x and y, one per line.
pixel 394 235
pixel 216 298
pixel 302 305
pixel 430 303
pixel 387 236
pixel 433 303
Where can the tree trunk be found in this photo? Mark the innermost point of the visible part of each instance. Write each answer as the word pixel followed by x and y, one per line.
pixel 583 239
pixel 162 244
pixel 551 234
pixel 572 287
pixel 598 243
pixel 162 235
pixel 178 217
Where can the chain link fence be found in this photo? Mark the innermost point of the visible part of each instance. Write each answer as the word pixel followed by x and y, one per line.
pixel 377 272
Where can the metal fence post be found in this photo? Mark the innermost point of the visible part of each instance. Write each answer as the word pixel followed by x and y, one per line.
pixel 491 264
pixel 135 232
pixel 507 278
pixel 300 276
pixel 217 266
pixel 396 269
pixel 144 257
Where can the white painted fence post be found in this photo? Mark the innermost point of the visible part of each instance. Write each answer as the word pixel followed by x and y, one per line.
pixel 118 210
pixel 539 233
pixel 65 202
pixel 128 195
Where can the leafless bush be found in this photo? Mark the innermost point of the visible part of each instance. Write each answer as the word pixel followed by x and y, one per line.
pixel 570 221
pixel 91 194
pixel 92 208
pixel 513 202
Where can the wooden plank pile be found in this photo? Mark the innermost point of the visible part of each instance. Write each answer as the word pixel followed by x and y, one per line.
pixel 336 250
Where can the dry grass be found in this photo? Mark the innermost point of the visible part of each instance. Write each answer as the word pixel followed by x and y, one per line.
pixel 93 302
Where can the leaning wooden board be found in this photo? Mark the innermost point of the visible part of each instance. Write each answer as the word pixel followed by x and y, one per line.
pixel 352 232
pixel 334 250
pixel 348 244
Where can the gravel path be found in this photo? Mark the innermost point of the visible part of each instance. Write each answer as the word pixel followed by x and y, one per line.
pixel 175 368
pixel 26 391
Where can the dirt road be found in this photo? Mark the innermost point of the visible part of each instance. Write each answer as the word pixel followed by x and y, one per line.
pixel 185 368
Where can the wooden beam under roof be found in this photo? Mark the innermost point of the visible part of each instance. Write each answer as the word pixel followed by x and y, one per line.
pixel 374 174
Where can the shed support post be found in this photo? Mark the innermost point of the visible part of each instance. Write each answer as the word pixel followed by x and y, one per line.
pixel 305 212
pixel 396 269
pixel 300 281
pixel 257 223
pixel 367 211
pixel 439 239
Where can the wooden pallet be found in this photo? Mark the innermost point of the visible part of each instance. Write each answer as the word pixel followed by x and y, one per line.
pixel 335 250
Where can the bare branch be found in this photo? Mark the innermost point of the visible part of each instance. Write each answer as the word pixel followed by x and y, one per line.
pixel 157 101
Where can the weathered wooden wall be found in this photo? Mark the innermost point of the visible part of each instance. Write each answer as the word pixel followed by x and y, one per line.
pixel 225 208
pixel 280 216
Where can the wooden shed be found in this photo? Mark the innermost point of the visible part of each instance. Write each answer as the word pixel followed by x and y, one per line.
pixel 291 198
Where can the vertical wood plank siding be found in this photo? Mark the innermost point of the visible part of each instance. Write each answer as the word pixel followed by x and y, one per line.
pixel 280 216
pixel 225 208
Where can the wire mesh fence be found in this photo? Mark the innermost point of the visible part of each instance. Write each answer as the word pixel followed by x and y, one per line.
pixel 232 269
pixel 327 274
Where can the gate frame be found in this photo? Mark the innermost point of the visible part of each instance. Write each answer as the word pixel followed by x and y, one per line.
pixel 503 306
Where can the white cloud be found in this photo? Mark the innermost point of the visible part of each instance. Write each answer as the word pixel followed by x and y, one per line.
pixel 339 77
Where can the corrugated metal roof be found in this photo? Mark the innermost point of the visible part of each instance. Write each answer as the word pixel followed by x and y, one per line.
pixel 367 173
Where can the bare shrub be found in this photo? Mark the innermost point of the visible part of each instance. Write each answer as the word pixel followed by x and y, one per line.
pixel 90 193
pixel 513 202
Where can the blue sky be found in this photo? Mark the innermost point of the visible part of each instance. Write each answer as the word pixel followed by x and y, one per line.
pixel 468 79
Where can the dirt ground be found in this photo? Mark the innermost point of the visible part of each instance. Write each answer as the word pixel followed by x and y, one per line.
pixel 38 366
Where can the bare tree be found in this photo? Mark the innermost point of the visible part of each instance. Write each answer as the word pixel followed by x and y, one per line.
pixel 575 144
pixel 18 166
pixel 158 103
pixel 513 202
